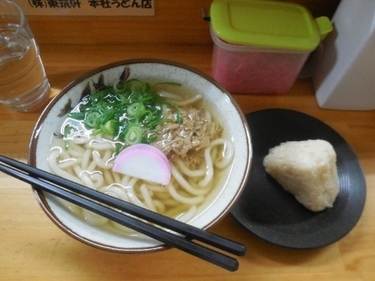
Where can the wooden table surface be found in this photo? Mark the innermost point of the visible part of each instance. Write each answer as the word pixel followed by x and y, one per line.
pixel 33 248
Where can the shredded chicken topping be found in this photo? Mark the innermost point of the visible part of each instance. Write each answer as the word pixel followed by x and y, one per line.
pixel 190 138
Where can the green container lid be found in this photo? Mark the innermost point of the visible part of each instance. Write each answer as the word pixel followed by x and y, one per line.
pixel 268 24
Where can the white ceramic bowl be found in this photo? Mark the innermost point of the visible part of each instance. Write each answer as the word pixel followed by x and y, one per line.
pixel 224 108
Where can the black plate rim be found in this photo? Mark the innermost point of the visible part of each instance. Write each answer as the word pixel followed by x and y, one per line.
pixel 331 224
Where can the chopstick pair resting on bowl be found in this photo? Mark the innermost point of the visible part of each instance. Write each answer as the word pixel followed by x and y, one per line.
pixel 169 231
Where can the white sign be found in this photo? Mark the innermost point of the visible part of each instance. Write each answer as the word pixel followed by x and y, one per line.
pixel 88 7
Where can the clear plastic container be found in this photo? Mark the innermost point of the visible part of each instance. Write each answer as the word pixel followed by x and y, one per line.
pixel 261 46
pixel 245 69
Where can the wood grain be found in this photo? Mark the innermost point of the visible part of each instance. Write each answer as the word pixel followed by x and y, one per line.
pixel 33 248
pixel 175 22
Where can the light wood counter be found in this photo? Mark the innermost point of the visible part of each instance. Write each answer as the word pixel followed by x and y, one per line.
pixel 33 248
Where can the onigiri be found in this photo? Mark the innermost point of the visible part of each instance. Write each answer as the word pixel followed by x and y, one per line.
pixel 307 169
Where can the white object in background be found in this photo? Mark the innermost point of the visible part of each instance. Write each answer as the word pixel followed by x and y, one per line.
pixel 345 75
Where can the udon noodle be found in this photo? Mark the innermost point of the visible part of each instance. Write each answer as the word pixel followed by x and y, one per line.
pixel 196 164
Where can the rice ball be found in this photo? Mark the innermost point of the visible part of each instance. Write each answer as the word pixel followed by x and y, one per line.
pixel 307 169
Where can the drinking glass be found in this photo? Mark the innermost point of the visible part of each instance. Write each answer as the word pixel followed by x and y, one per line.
pixel 23 82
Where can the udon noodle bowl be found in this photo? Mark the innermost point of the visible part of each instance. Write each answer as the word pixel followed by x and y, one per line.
pixel 165 115
pixel 193 122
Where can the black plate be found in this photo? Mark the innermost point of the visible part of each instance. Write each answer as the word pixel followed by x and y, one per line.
pixel 273 214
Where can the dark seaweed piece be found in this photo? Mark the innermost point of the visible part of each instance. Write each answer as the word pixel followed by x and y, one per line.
pixel 66 108
pixel 125 73
pixel 100 84
pixel 58 135
pixel 86 91
pixel 97 86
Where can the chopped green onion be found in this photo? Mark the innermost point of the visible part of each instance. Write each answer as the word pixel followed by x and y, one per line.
pixel 110 127
pixel 145 88
pixel 128 112
pixel 68 129
pixel 133 135
pixel 135 109
pixel 91 119
pixel 168 83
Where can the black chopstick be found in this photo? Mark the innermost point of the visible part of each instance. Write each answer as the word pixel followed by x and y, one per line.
pixel 50 183
pixel 177 226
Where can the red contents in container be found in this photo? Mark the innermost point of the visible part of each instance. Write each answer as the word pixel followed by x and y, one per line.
pixel 256 72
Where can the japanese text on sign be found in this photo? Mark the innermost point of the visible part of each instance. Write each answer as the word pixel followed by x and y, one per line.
pixel 88 7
